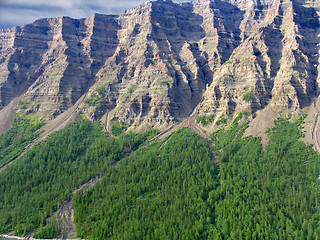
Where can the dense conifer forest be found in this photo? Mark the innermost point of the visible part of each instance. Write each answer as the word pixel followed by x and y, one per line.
pixel 32 187
pixel 170 189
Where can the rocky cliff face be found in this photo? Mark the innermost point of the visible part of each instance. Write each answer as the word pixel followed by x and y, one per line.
pixel 152 65
pixel 276 65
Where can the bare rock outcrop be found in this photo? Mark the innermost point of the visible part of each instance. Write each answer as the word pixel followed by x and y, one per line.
pixel 276 66
pixel 152 65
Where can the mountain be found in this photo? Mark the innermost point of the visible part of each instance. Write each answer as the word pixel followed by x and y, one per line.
pixel 242 75
pixel 152 65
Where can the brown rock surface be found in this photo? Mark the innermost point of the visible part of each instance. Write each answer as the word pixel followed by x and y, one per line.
pixel 276 66
pixel 152 65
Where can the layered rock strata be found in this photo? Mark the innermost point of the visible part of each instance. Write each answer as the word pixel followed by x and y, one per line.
pixel 152 65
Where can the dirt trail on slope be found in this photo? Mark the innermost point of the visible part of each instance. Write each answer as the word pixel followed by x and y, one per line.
pixel 106 121
pixel 28 147
pixel 65 217
pixel 5 166
pixel 88 185
pixel 190 123
pixel 7 114
pixel 63 119
pixel 65 213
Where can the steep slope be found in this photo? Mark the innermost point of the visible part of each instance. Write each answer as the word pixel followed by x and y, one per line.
pixel 152 65
pixel 121 188
pixel 276 66
pixel 168 66
pixel 162 64
pixel 148 66
pixel 55 60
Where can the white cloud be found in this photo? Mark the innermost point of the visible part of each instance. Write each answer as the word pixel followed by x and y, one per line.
pixel 21 12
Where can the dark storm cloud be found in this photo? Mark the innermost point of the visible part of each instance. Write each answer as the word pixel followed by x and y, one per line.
pixel 21 12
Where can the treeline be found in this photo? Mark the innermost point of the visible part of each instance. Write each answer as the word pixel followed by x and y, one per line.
pixel 271 194
pixel 170 189
pixel 14 141
pixel 32 187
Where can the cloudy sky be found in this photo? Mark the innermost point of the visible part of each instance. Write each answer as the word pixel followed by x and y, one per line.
pixel 21 12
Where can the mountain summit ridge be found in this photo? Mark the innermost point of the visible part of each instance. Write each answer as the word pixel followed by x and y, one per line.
pixel 152 65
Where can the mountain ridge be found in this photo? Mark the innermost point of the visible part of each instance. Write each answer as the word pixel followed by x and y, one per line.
pixel 194 86
pixel 152 65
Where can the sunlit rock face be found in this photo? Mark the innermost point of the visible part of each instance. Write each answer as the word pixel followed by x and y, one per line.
pixel 152 65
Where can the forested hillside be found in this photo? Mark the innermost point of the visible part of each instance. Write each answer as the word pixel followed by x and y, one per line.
pixel 169 189
pixel 100 116
pixel 14 141
pixel 271 194
pixel 159 192
pixel 32 187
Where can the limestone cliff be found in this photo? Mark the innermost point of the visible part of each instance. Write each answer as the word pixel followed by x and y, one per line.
pixel 276 66
pixel 152 65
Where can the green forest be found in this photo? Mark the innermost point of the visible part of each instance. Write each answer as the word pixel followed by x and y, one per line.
pixel 14 141
pixel 170 189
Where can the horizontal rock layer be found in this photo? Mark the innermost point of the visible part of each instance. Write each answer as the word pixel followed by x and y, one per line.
pixel 152 65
